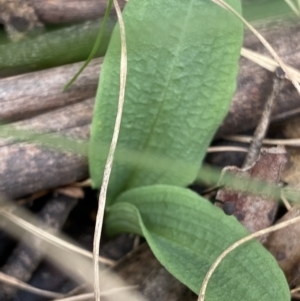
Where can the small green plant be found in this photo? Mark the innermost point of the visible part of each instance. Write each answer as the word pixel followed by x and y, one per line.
pixel 182 67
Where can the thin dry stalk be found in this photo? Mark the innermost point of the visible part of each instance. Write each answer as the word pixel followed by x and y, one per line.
pixel 266 62
pixel 26 287
pixel 247 139
pixel 236 245
pixel 285 201
pixel 263 41
pixel 108 165
pixel 220 149
pixel 44 235
pixel 293 7
pixel 295 290
pixel 263 125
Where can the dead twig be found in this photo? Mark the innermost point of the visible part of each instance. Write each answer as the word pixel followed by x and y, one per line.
pixel 262 126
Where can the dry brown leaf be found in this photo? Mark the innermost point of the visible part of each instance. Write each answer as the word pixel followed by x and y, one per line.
pixel 255 212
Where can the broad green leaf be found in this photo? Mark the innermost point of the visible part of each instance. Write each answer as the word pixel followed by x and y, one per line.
pixel 187 234
pixel 182 66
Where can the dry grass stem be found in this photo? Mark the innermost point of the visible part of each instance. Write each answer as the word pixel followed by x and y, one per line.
pixel 267 63
pixel 85 183
pixel 118 290
pixel 295 290
pixel 109 161
pixel 220 149
pixel 289 75
pixel 247 139
pixel 286 203
pixel 51 238
pixel 236 245
pixel 26 287
pixel 293 7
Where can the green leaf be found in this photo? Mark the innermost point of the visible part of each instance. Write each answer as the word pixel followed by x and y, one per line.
pixel 187 234
pixel 182 67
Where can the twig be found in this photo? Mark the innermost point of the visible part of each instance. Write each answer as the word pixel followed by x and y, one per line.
pixel 262 126
pixel 108 165
pixel 237 244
